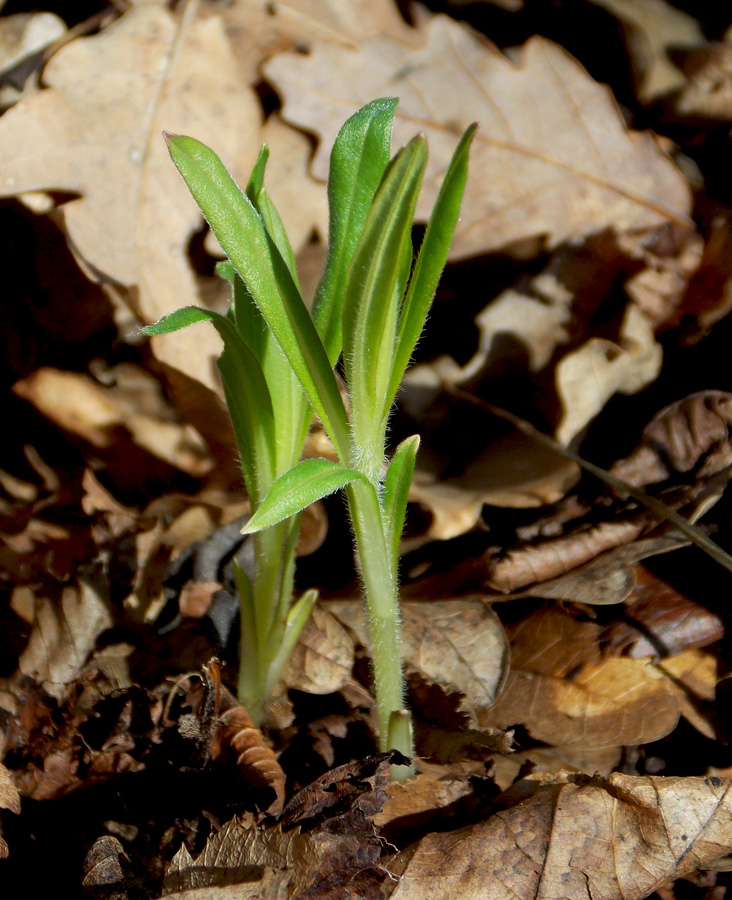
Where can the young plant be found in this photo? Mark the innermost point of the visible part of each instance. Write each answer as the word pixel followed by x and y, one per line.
pixel 371 306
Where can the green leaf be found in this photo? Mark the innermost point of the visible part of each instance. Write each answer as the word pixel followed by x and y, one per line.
pixel 181 318
pixel 430 261
pixel 247 396
pixel 371 303
pixel 245 240
pixel 359 157
pixel 396 493
pixel 308 481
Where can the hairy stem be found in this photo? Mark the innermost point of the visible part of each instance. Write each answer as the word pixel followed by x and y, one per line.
pixel 382 598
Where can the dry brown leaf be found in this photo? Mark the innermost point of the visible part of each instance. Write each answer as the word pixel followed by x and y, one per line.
pixel 325 842
pixel 708 297
pixel 64 633
pixel 82 406
pixel 606 704
pixel 690 435
pixel 659 621
pixel 322 661
pixel 708 93
pixel 552 158
pixel 259 29
pixel 22 38
pixel 614 839
pixel 459 644
pixel 653 28
pixel 95 130
pixel 587 378
pixel 608 578
pixel 9 799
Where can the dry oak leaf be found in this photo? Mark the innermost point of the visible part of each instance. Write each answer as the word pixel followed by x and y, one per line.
pixel 552 158
pixel 459 644
pixel 95 130
pixel 587 839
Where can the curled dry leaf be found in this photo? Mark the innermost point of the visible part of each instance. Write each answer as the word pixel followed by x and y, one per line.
pixel 9 799
pixel 708 92
pixel 552 159
pixel 615 839
pixel 659 621
pixel 692 434
pixel 588 377
pixel 459 644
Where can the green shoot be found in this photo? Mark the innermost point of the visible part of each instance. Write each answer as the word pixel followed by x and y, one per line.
pixel 277 368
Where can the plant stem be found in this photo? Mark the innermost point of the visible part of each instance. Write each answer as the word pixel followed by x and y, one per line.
pixel 274 569
pixel 382 597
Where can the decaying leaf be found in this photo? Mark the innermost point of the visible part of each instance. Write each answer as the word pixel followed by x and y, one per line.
pixel 456 643
pixel 615 839
pixel 708 92
pixel 324 843
pixel 692 434
pixel 557 164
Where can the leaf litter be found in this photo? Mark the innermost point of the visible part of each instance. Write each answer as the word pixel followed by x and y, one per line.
pixel 573 736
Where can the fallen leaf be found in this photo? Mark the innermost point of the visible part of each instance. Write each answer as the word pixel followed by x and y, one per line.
pixel 134 216
pixel 65 631
pixel 560 166
pixel 708 92
pixel 459 644
pixel 325 842
pixel 322 661
pixel 96 413
pixel 23 37
pixel 615 839
pixel 606 704
pixel 588 377
pixel 659 621
pixel 690 435
pixel 654 28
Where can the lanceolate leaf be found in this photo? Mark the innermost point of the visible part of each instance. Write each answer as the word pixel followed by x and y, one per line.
pixel 371 303
pixel 396 492
pixel 430 262
pixel 243 236
pixel 247 396
pixel 308 481
pixel 359 157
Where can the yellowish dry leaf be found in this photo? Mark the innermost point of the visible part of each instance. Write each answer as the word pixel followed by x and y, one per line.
pixel 614 839
pixel 552 159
